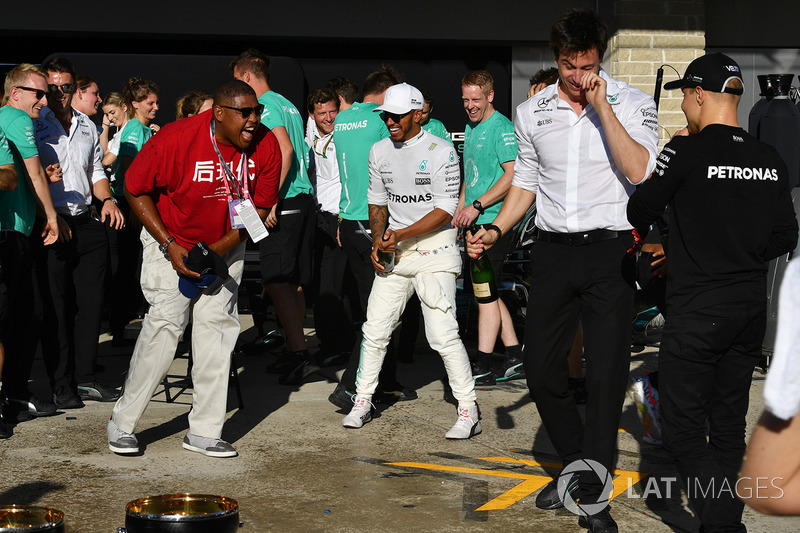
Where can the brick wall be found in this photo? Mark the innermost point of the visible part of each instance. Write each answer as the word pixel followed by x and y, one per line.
pixel 654 33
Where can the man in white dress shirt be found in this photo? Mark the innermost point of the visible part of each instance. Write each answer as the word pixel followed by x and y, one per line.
pixel 584 143
pixel 334 329
pixel 73 292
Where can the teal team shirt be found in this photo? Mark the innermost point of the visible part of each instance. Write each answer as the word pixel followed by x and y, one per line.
pixel 435 127
pixel 355 131
pixel 278 111
pixel 486 146
pixel 17 207
pixel 134 135
pixel 6 157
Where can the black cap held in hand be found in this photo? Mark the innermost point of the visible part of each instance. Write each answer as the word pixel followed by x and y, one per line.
pixel 204 260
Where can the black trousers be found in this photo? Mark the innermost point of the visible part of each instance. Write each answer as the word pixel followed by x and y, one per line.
pixel 595 281
pixel 333 324
pixel 72 292
pixel 705 364
pixel 358 248
pixel 22 324
pixel 125 297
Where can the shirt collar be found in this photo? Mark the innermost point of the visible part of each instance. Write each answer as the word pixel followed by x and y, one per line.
pixel 413 140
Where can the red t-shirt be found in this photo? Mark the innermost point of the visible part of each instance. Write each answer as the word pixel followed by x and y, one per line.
pixel 180 169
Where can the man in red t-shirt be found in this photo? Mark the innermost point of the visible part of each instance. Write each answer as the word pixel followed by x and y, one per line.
pixel 184 186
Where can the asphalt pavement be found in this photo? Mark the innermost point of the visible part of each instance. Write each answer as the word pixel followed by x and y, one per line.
pixel 299 470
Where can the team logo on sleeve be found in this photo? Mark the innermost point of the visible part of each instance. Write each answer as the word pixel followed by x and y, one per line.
pixel 452 156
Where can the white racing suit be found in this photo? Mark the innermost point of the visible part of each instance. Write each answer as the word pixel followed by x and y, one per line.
pixel 412 179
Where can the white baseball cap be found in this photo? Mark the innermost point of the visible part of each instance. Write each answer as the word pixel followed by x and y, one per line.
pixel 401 99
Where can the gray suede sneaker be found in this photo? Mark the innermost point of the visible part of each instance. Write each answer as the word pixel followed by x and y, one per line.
pixel 119 441
pixel 208 446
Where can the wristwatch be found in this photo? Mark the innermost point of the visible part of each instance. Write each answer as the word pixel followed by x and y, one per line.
pixel 164 245
pixel 477 205
pixel 109 199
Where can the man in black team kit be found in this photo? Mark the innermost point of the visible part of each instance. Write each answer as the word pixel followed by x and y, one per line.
pixel 730 213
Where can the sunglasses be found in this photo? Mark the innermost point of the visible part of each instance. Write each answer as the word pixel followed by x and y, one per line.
pixel 385 115
pixel 39 93
pixel 246 111
pixel 66 88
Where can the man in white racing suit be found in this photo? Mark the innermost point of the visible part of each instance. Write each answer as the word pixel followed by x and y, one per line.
pixel 414 183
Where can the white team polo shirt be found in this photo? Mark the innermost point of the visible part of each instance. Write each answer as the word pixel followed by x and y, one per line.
pixel 564 158
pixel 79 154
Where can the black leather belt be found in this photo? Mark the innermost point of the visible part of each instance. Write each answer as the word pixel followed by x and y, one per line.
pixel 84 217
pixel 579 239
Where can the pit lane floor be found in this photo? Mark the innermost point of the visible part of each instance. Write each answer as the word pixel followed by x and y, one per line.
pixel 299 470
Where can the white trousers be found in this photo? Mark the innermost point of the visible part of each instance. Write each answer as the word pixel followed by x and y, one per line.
pixel 432 275
pixel 215 328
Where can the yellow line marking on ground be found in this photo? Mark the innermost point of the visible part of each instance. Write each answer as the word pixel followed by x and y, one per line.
pixel 530 483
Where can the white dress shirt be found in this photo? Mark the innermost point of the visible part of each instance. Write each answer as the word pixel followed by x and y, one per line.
pixel 782 388
pixel 327 185
pixel 79 154
pixel 564 158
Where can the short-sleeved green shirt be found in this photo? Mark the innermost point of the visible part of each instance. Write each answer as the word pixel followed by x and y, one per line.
pixel 355 131
pixel 6 157
pixel 18 207
pixel 435 127
pixel 278 111
pixel 132 137
pixel 487 145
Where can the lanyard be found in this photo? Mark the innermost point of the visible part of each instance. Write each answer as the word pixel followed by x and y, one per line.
pixel 324 151
pixel 230 179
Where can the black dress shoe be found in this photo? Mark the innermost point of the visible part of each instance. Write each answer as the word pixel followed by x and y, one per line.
pixel 341 397
pixel 548 498
pixel 303 367
pixel 599 523
pixel 32 407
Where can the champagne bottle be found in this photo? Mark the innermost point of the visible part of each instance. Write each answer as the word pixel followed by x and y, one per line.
pixel 483 283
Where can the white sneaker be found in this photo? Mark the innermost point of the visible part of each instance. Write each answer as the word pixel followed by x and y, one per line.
pixel 467 425
pixel 360 414
pixel 119 441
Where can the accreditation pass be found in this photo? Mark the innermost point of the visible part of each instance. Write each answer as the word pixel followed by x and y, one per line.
pixel 244 212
